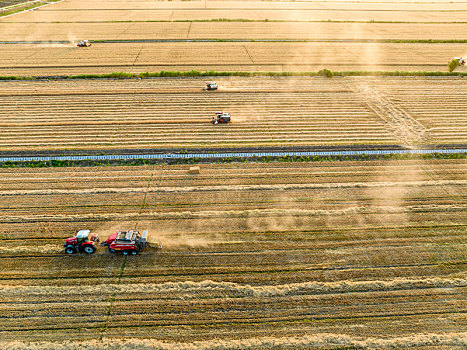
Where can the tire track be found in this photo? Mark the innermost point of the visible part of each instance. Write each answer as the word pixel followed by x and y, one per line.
pixel 231 188
pixel 407 129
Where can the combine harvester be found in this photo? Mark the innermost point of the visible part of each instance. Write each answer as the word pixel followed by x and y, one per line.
pixel 461 60
pixel 127 242
pixel 221 118
pixel 83 43
pixel 210 86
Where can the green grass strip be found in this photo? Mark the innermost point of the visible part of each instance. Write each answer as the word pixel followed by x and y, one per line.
pixel 267 159
pixel 210 73
pixel 19 8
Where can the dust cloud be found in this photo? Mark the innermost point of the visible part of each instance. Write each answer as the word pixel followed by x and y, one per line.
pixel 168 237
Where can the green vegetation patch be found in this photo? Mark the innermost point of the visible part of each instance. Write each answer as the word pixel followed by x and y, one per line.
pixel 27 6
pixel 210 73
pixel 194 160
pixel 453 64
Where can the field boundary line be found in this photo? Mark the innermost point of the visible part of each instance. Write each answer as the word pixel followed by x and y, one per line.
pixel 240 40
pixel 112 299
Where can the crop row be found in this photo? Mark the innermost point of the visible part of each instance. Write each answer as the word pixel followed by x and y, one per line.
pixel 229 30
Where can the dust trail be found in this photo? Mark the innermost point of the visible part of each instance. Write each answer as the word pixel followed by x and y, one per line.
pixel 170 240
pixel 231 188
pixel 402 124
pixel 320 340
pixel 167 236
pixel 182 289
pixel 236 213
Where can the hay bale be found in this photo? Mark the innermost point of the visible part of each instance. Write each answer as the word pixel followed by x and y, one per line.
pixel 194 170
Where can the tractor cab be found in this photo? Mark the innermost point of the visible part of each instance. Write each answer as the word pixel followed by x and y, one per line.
pixel 210 86
pixel 221 118
pixel 83 242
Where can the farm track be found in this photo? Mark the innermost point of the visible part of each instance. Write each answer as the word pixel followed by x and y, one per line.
pixel 368 269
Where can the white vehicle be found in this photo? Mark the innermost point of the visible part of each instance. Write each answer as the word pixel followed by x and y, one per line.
pixel 461 60
pixel 221 118
pixel 210 86
pixel 83 43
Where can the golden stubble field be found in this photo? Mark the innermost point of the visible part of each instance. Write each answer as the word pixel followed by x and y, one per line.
pixel 342 33
pixel 342 254
pixel 272 254
pixel 176 113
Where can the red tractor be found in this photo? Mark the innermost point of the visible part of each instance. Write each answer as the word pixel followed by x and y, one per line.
pixel 127 242
pixel 83 242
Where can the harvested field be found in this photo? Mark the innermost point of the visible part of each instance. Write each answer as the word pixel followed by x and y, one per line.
pixel 230 30
pixel 280 255
pixel 222 56
pixel 111 11
pixel 164 113
pixel 328 22
pixel 273 269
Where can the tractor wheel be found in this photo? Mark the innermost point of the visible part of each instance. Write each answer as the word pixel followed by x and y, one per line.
pixel 222 120
pixel 111 250
pixel 134 252
pixel 89 249
pixel 70 250
pixel 125 252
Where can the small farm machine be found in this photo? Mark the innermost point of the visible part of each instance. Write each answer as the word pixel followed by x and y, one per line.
pixel 128 242
pixel 456 62
pixel 210 86
pixel 462 61
pixel 221 118
pixel 83 43
pixel 83 242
